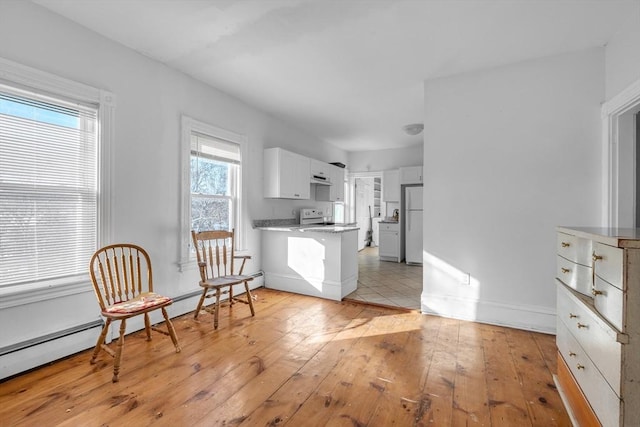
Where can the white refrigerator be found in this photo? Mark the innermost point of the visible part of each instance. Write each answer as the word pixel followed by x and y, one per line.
pixel 413 224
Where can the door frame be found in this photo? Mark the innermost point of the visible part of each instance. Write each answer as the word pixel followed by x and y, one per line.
pixel 618 158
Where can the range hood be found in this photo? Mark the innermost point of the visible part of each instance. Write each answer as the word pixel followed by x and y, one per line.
pixel 319 179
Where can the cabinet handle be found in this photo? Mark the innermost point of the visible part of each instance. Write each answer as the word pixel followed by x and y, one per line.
pixel 596 257
pixel 571 315
pixel 572 354
pixel 297 195
pixel 565 244
pixel 596 292
pixel 582 325
pixel 579 366
pixel 565 270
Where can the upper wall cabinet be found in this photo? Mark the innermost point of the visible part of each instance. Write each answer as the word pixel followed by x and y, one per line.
pixel 286 174
pixel 335 191
pixel 411 175
pixel 391 186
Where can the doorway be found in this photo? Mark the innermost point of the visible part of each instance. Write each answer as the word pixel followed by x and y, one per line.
pixel 621 163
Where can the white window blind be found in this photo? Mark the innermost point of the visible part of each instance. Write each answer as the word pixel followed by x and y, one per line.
pixel 48 187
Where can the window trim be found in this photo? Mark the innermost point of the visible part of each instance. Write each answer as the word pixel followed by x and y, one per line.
pixel 24 77
pixel 189 125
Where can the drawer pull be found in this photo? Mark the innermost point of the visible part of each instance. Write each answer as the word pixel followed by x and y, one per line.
pixel 596 292
pixel 571 315
pixel 596 257
pixel 572 354
pixel 565 270
pixel 582 325
pixel 565 244
pixel 579 366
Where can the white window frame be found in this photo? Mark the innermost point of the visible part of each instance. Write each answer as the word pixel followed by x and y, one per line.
pixel 190 125
pixel 21 76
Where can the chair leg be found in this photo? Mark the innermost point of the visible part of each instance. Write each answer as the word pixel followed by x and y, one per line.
pixel 249 299
pixel 199 307
pixel 231 301
pixel 217 311
pixel 101 340
pixel 147 326
pixel 116 363
pixel 172 331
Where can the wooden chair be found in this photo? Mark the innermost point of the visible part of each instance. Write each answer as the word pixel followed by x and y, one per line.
pixel 215 252
pixel 123 283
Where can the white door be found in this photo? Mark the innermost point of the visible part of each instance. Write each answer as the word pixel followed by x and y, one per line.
pixel 364 199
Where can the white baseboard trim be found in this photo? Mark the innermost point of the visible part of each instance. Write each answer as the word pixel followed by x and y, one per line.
pixel 33 356
pixel 322 289
pixel 526 317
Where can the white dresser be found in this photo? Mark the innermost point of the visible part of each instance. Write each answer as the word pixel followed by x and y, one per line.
pixel 598 325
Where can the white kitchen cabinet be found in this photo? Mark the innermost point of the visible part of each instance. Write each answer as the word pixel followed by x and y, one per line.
pixel 598 323
pixel 391 185
pixel 286 175
pixel 389 245
pixel 411 175
pixel 335 191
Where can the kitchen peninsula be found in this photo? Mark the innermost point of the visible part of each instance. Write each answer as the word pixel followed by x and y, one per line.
pixel 316 260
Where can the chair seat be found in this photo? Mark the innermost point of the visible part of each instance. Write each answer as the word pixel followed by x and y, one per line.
pixel 142 302
pixel 226 280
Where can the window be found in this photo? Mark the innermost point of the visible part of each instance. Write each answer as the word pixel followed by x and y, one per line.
pixel 54 179
pixel 212 182
pixel 215 165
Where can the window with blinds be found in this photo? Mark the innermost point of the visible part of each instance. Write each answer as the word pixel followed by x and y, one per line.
pixel 215 169
pixel 48 187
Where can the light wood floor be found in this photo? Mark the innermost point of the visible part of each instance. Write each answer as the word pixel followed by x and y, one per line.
pixel 302 361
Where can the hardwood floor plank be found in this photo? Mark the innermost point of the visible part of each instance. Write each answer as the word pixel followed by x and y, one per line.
pixel 471 398
pixel 536 381
pixel 506 398
pixel 301 361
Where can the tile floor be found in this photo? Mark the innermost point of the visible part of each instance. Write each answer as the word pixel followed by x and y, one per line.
pixel 387 283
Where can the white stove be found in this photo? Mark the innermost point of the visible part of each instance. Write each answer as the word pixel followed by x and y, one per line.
pixel 310 216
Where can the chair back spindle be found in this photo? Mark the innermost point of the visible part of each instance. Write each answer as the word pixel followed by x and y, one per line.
pixel 119 273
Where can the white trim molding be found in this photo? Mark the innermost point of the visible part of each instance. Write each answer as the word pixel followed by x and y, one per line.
pixel 527 317
pixel 21 76
pixel 189 125
pixel 614 137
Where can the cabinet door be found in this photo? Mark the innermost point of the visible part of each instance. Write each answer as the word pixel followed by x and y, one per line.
pixel 297 180
pixel 338 184
pixel 411 175
pixel 286 175
pixel 391 186
pixel 388 244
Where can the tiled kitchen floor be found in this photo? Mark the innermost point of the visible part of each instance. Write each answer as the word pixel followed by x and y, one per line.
pixel 387 283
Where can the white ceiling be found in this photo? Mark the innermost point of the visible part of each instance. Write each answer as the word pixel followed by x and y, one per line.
pixel 350 72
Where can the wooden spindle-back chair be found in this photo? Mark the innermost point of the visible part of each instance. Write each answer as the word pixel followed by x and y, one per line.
pixel 123 284
pixel 215 251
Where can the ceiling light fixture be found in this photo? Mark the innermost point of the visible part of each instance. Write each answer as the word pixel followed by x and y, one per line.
pixel 413 128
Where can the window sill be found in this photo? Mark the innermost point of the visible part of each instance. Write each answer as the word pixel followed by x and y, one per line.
pixel 12 296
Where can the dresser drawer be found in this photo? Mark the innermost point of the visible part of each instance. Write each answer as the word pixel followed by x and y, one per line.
pixel 608 263
pixel 574 275
pixel 594 334
pixel 574 248
pixel 602 398
pixel 608 300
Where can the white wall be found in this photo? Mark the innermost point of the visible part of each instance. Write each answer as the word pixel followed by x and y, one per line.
pixel 622 57
pixel 510 153
pixel 380 160
pixel 146 178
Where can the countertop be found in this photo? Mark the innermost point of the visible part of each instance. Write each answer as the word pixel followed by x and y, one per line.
pixel 316 228
pixel 290 224
pixel 388 221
